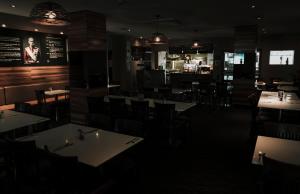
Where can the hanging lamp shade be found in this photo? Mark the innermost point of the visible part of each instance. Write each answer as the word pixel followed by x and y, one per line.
pixel 138 42
pixel 49 13
pixel 158 38
pixel 196 44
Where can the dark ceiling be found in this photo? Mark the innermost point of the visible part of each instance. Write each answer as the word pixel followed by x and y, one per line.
pixel 180 19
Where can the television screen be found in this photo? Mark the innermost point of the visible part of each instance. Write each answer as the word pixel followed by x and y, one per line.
pixel 239 58
pixel 284 57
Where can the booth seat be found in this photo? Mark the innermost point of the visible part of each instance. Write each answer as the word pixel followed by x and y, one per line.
pixel 23 93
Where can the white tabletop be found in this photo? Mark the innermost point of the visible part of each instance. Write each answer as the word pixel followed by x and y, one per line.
pixel 271 100
pixel 97 147
pixel 179 106
pixel 288 88
pixel 11 120
pixel 283 83
pixel 56 92
pixel 283 150
pixel 113 86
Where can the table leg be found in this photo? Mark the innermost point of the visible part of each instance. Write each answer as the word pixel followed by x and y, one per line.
pixel 56 109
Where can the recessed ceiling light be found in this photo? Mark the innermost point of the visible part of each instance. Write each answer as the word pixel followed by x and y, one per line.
pixel 129 30
pixel 61 33
pixel 253 6
pixel 12 5
pixel 3 25
pixel 259 18
pixel 141 37
pixel 36 30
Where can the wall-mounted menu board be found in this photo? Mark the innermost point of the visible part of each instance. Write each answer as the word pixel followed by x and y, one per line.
pixel 24 48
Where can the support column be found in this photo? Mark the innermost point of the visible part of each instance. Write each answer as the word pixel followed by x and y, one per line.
pixel 88 61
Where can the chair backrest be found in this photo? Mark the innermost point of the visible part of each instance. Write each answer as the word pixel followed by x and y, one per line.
pixel 26 159
pixel 129 127
pixel 164 92
pixel 289 131
pixel 140 109
pixel 40 97
pixel 96 104
pixel 23 107
pixel 117 107
pixel 67 95
pixel 280 177
pixel 165 112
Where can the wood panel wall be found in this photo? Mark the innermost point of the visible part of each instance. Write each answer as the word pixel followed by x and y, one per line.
pixel 19 83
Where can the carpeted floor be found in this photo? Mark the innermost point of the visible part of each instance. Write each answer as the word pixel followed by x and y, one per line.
pixel 216 159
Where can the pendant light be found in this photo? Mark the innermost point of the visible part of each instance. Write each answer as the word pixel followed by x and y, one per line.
pixel 196 44
pixel 157 37
pixel 49 13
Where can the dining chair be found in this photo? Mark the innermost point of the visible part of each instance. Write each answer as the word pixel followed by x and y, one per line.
pixel 97 115
pixel 164 119
pixel 140 110
pixel 26 163
pixel 129 127
pixel 23 107
pixel 117 107
pixel 279 178
pixel 40 97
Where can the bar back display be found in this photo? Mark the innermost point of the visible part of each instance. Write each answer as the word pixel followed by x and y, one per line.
pixel 26 48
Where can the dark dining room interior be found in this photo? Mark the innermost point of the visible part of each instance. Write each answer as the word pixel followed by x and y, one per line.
pixel 149 97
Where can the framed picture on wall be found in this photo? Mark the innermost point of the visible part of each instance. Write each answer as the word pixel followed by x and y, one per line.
pixel 25 48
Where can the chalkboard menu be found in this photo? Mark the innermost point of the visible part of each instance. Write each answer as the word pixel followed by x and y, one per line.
pixel 24 48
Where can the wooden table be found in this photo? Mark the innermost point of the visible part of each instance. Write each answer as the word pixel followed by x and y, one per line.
pixel 270 100
pixel 12 120
pixel 179 106
pixel 283 150
pixel 97 147
pixel 56 94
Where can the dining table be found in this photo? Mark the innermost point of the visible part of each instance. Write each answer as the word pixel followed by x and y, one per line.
pixel 92 146
pixel 179 106
pixel 283 150
pixel 11 120
pixel 56 94
pixel 271 100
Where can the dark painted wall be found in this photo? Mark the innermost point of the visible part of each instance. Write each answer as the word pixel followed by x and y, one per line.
pixel 276 71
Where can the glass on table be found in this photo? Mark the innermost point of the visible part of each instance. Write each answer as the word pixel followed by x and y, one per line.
pixel 280 94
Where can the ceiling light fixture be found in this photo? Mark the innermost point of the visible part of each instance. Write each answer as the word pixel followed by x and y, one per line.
pixel 259 18
pixel 157 37
pixel 3 25
pixel 49 13
pixel 36 30
pixel 253 6
pixel 138 42
pixel 196 43
pixel 61 33
pixel 12 5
